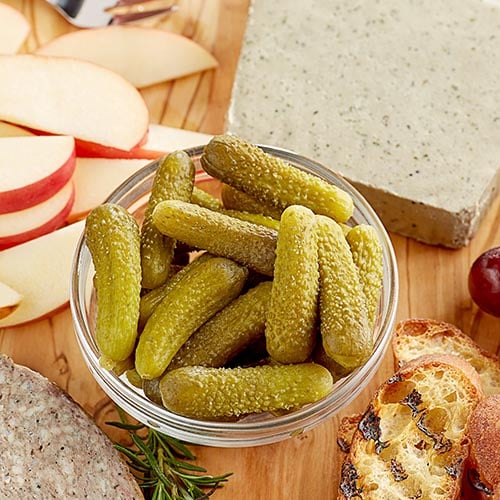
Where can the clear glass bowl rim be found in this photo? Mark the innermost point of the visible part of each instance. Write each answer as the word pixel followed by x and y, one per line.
pixel 248 432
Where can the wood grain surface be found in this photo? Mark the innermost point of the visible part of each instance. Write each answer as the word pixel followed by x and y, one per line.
pixel 433 281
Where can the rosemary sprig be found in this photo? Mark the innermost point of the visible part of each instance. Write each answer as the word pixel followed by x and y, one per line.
pixel 158 462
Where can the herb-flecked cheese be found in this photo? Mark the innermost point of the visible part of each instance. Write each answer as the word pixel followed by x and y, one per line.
pixel 402 97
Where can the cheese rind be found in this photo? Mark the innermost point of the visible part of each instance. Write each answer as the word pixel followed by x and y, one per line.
pixel 400 97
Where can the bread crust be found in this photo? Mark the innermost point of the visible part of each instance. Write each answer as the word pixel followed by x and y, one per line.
pixel 417 336
pixel 395 428
pixel 484 433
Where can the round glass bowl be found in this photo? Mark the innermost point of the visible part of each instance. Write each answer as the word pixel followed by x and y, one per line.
pixel 256 429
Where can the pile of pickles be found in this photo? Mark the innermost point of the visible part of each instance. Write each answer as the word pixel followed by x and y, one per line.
pixel 256 303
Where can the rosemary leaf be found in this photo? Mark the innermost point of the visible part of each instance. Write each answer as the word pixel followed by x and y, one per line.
pixel 160 465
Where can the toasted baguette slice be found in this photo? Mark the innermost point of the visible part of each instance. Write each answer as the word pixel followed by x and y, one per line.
pixel 411 441
pixel 345 433
pixel 483 468
pixel 50 447
pixel 415 337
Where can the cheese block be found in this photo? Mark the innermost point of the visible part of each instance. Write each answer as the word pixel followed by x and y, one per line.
pixel 400 97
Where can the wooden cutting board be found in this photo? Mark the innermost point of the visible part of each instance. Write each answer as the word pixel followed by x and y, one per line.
pixel 433 280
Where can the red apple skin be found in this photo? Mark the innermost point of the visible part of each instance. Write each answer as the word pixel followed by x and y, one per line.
pixel 33 194
pixel 85 149
pixel 51 225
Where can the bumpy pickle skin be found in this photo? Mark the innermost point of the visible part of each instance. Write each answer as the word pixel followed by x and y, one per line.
pixel 204 199
pixel 250 244
pixel 248 168
pixel 212 393
pixel 366 251
pixel 222 337
pixel 291 319
pixel 150 300
pixel 112 236
pixel 345 332
pixel 174 179
pixel 195 298
pixel 232 199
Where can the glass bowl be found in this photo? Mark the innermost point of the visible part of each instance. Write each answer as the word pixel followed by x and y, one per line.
pixel 256 429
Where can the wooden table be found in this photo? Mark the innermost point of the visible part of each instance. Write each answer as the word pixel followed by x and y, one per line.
pixel 433 281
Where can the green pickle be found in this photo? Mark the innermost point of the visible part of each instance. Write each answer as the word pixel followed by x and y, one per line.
pixel 212 393
pixel 367 255
pixel 151 389
pixel 248 168
pixel 174 179
pixel 226 334
pixel 112 236
pixel 194 299
pixel 250 244
pixel 233 199
pixel 346 335
pixel 150 300
pixel 203 199
pixel 291 320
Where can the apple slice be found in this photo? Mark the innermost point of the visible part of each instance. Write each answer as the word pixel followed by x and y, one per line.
pixel 168 139
pixel 9 300
pixel 92 150
pixel 9 130
pixel 65 96
pixel 33 168
pixel 40 271
pixel 159 140
pixel 143 56
pixel 18 227
pixel 14 28
pixel 96 178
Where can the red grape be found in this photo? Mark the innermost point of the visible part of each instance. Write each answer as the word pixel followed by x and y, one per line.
pixel 484 281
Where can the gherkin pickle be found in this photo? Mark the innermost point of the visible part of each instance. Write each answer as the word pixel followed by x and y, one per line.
pixel 291 320
pixel 239 324
pixel 211 393
pixel 250 244
pixel 202 198
pixel 150 300
pixel 112 236
pixel 233 199
pixel 345 332
pixel 248 168
pixel 194 299
pixel 174 179
pixel 367 255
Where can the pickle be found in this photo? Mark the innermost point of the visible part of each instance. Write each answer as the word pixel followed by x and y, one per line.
pixel 134 378
pixel 367 255
pixel 249 244
pixel 117 367
pixel 345 333
pixel 151 389
pixel 248 168
pixel 150 300
pixel 194 299
pixel 201 392
pixel 319 356
pixel 174 179
pixel 233 199
pixel 291 320
pixel 112 236
pixel 227 333
pixel 262 220
pixel 203 199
